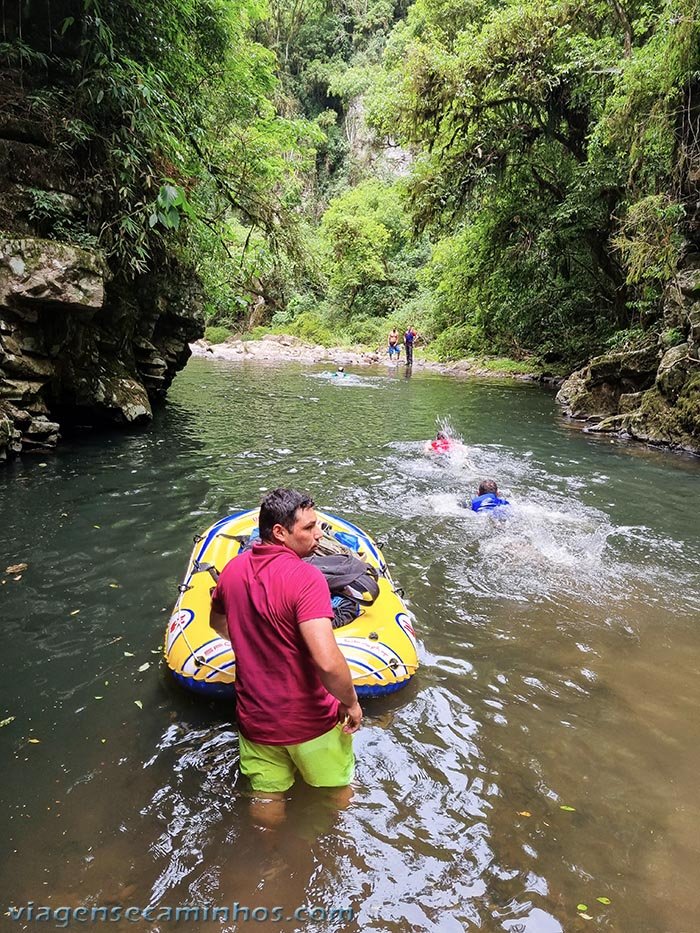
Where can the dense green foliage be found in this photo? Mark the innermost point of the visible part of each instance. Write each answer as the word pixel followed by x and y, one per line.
pixel 164 116
pixel 548 137
pixel 553 146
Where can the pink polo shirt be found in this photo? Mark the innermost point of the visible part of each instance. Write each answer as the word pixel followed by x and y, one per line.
pixel 266 593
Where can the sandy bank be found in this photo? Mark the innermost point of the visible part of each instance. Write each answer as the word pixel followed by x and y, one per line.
pixel 282 348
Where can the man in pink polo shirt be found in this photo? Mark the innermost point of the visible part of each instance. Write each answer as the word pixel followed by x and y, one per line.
pixel 296 704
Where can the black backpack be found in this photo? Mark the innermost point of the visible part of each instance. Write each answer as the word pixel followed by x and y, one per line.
pixel 352 582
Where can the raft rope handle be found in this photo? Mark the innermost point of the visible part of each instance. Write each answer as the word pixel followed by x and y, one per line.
pixel 198 567
pixel 200 662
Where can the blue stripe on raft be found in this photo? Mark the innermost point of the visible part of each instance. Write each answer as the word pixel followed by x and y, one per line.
pixel 360 664
pixel 378 657
pixel 228 691
pixel 213 658
pixel 206 688
pixel 221 667
pixel 366 691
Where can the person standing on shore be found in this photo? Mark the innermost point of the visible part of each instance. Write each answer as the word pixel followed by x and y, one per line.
pixel 296 704
pixel 394 346
pixel 408 338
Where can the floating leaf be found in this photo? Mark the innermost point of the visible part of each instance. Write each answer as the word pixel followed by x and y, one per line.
pixel 6 722
pixel 144 667
pixel 582 907
pixel 35 741
pixel 139 704
pixel 524 813
pixel 585 916
pixel 114 586
pixel 103 741
pixel 18 577
pixel 601 900
pixel 16 568
pixel 99 698
pixel 95 526
pixel 568 809
pixel 75 612
pixel 128 654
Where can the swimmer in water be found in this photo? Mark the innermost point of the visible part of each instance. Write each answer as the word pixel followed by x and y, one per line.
pixel 442 443
pixel 487 498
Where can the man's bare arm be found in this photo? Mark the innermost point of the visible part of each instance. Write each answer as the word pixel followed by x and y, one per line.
pixel 217 621
pixel 332 668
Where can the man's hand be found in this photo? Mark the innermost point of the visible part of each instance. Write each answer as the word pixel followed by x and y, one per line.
pixel 350 717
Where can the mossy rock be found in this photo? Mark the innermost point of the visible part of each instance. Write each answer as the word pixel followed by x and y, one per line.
pixel 658 421
pixel 614 424
pixel 638 366
pixel 673 371
pixel 629 402
pixel 582 399
pixel 688 407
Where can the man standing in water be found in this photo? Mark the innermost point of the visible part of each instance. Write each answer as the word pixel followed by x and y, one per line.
pixel 296 703
pixel 394 348
pixel 408 339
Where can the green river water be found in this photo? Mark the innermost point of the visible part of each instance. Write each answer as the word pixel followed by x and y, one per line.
pixel 560 657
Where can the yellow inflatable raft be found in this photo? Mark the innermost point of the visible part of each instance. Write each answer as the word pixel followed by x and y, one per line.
pixel 379 645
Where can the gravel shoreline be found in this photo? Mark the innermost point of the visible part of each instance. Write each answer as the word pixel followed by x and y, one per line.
pixel 280 348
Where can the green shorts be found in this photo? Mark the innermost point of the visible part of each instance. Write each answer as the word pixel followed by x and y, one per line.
pixel 326 761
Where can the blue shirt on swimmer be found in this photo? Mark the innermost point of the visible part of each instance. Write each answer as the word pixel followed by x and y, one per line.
pixel 488 501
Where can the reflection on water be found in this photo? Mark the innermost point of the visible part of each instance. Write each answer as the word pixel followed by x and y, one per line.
pixel 544 757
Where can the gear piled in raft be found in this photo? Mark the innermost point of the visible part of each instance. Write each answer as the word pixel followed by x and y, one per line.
pixel 372 625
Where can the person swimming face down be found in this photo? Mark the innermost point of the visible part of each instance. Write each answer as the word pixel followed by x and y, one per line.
pixel 488 485
pixel 441 444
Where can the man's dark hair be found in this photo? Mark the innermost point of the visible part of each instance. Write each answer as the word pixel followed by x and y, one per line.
pixel 280 507
pixel 488 485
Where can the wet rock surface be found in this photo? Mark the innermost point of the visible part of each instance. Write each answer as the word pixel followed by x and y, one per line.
pixel 76 345
pixel 652 393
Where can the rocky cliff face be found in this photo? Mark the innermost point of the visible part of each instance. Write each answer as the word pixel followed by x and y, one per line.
pixel 383 157
pixel 75 346
pixel 79 341
pixel 651 394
